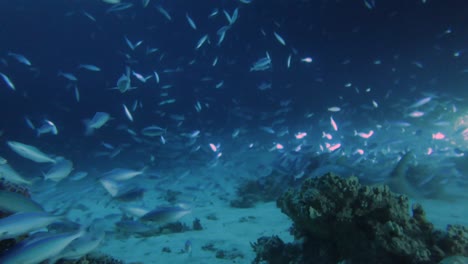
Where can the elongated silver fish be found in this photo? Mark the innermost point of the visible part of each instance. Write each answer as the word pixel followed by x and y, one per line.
pixel 25 222
pixel 39 249
pixel 89 67
pixel 10 175
pixel 60 170
pixel 166 214
pixel 82 245
pixel 153 131
pixel 29 152
pixel 11 202
pixel 120 174
pixel 99 119
pixel 8 81
pixel 20 58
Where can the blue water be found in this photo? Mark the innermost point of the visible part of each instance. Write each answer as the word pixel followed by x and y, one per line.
pixel 372 59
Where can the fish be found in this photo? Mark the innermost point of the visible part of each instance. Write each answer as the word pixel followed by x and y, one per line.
pixel 363 134
pixel 231 19
pixel 8 81
pixel 10 175
pixel 127 113
pixel 333 124
pixel 201 41
pixel 140 77
pixel 131 45
pixel 89 67
pixel 279 38
pixel 118 7
pixel 370 4
pixel 60 170
pixel 89 16
pixel 29 123
pixel 166 214
pixel 145 3
pixel 214 12
pixel 334 109
pixel 164 12
pixel 190 21
pixel 134 211
pixel 124 83
pixel 12 202
pixel 221 38
pixel 78 175
pixel 416 114
pixel 122 191
pixel 111 186
pixel 261 64
pixel 268 130
pixel 39 249
pixel 421 102
pixel 20 58
pixel 168 101
pixel 99 119
pixel 77 94
pixel 68 76
pixel 156 76
pixel 24 222
pixel 153 131
pixel 82 245
pixel 47 127
pixel 307 59
pixel 30 152
pixel 120 174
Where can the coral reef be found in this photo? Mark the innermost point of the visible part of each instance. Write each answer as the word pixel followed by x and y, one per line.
pixel 337 219
pixel 92 260
pixel 274 251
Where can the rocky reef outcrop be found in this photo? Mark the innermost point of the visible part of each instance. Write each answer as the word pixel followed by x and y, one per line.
pixel 338 220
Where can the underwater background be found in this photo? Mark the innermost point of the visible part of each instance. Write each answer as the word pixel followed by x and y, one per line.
pixel 227 131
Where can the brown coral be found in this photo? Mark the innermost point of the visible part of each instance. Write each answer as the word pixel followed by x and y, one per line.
pixel 343 220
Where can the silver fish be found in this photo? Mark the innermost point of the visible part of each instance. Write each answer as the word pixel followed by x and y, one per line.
pixel 25 222
pixel 120 174
pixel 10 175
pixel 82 245
pixel 78 175
pixel 60 170
pixel 20 58
pixel 39 249
pixel 190 21
pixel 99 119
pixel 68 76
pixel 153 131
pixel 12 202
pixel 8 81
pixel 89 67
pixel 166 214
pixel 47 127
pixel 29 152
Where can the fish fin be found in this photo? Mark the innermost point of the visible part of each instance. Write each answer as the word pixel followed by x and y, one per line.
pixel 88 129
